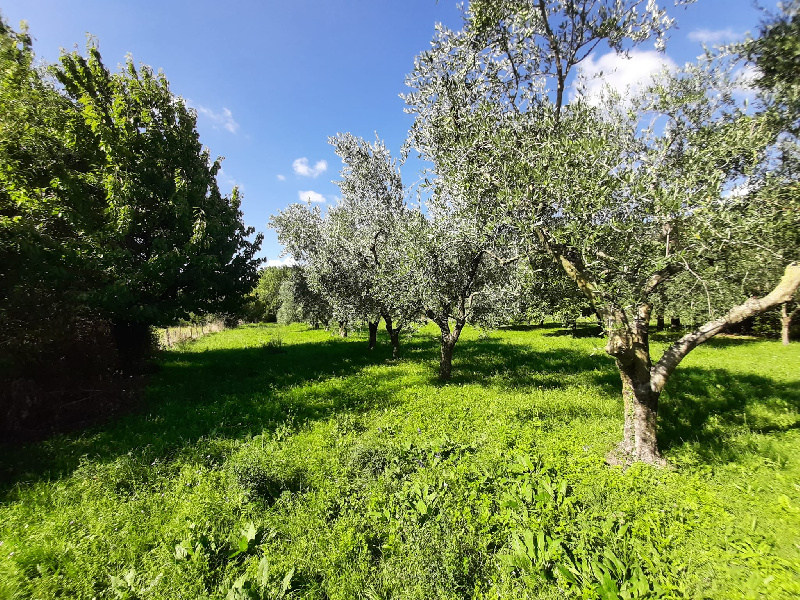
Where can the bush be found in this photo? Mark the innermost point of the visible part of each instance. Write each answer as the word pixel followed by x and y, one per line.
pixel 264 474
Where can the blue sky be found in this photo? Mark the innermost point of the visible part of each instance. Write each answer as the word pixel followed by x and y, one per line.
pixel 272 80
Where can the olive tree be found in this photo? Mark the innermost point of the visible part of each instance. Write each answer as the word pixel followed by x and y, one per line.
pixel 324 269
pixel 370 221
pixel 623 197
pixel 774 54
pixel 463 272
pixel 298 302
pixel 353 255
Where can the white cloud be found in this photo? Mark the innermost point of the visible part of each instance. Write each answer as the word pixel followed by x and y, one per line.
pixel 286 262
pixel 281 177
pixel 746 78
pixel 310 196
pixel 223 119
pixel 301 167
pixel 711 37
pixel 623 74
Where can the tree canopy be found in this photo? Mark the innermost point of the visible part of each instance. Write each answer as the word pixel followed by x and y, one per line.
pixel 108 200
pixel 625 197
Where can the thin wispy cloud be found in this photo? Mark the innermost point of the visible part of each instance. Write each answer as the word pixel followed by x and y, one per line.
pixel 228 181
pixel 624 74
pixel 222 119
pixel 281 177
pixel 711 37
pixel 302 168
pixel 310 196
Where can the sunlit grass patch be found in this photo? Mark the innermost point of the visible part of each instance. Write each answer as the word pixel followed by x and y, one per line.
pixel 276 461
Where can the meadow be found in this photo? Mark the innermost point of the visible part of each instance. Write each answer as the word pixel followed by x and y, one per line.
pixel 283 462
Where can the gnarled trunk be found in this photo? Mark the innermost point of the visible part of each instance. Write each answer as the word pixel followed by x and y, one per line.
pixel 394 335
pixel 642 383
pixel 629 344
pixel 448 341
pixel 446 360
pixel 373 334
pixel 628 442
pixel 343 329
pixel 786 321
pixel 660 321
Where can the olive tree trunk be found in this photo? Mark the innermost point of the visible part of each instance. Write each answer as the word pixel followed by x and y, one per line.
pixel 394 334
pixel 786 321
pixel 643 382
pixel 373 334
pixel 628 342
pixel 446 360
pixel 448 339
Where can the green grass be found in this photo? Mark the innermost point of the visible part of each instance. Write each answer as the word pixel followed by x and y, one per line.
pixel 281 462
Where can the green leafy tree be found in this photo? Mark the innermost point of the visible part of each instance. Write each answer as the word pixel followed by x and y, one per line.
pixel 46 212
pixel 264 300
pixel 109 206
pixel 169 243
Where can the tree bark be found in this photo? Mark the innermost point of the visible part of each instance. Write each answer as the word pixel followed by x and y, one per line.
pixel 642 383
pixel 786 321
pixel 394 335
pixel 448 341
pixel 675 323
pixel 343 329
pixel 629 344
pixel 660 321
pixel 373 334
pixel 670 360
pixel 628 442
pixel 446 360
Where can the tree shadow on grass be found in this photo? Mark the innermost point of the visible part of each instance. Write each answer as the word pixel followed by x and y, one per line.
pixel 529 327
pixel 216 393
pixel 582 331
pixel 719 341
pixel 707 408
pixel 495 363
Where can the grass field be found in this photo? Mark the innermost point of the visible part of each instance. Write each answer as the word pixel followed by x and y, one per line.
pixel 281 462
